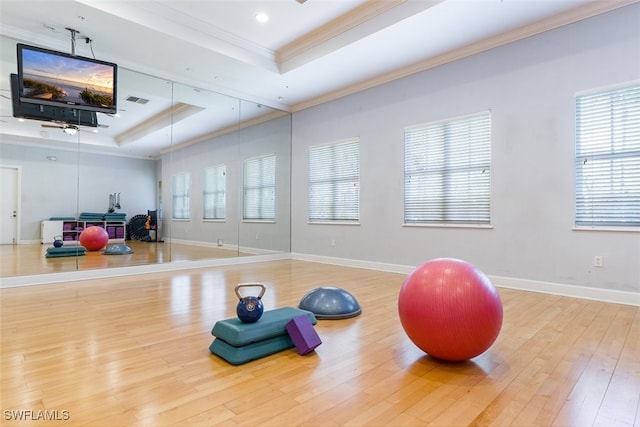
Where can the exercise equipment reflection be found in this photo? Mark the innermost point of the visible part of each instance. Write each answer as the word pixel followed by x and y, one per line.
pixel 94 238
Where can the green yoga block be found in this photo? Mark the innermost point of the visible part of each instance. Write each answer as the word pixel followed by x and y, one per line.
pixel 64 255
pixel 273 323
pixel 65 251
pixel 246 353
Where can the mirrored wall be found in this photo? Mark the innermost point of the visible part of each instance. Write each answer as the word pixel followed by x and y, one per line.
pixel 179 174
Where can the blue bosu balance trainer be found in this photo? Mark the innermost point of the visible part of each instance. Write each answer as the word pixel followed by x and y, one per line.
pixel 329 302
pixel 238 342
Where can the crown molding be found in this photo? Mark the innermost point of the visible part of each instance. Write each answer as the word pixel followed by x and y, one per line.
pixel 360 22
pixel 587 11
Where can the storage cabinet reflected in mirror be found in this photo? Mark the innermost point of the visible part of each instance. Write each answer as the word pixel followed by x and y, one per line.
pixel 179 174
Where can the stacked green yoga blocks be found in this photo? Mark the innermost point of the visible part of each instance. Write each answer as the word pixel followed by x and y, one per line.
pixel 65 251
pixel 238 342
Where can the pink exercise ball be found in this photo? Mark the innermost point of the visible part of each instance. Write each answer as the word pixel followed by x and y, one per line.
pixel 450 309
pixel 94 238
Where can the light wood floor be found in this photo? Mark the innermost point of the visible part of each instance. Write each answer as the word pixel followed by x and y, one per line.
pixel 134 352
pixel 29 259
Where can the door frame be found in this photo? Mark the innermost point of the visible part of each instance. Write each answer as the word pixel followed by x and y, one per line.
pixel 18 190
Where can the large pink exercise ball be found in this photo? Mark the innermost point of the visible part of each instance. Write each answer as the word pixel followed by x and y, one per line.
pixel 450 309
pixel 94 238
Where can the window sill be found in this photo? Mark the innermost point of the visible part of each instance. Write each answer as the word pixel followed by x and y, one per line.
pixel 472 226
pixel 333 223
pixel 610 229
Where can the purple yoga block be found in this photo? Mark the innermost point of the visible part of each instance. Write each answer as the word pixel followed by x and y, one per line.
pixel 303 335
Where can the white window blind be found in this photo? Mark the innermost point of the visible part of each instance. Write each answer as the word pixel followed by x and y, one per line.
pixel 334 182
pixel 213 193
pixel 260 188
pixel 181 199
pixel 607 163
pixel 448 171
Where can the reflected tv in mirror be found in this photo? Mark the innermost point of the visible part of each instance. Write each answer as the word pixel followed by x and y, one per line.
pixel 48 77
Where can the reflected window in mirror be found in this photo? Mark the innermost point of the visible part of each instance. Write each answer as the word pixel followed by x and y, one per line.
pixel 260 188
pixel 214 192
pixel 181 196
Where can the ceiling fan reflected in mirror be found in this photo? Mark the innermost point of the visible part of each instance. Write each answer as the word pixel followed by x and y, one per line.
pixel 71 129
pixel 66 128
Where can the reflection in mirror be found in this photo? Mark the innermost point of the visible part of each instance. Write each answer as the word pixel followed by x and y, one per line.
pixel 201 183
pixel 162 132
pixel 207 184
pixel 264 141
pixel 119 192
pixel 66 172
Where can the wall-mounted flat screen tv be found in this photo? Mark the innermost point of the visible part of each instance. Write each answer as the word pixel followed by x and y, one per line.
pixel 47 77
pixel 49 112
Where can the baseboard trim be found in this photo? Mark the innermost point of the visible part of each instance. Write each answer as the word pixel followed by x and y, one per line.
pixel 29 242
pixel 368 265
pixel 213 245
pixel 233 247
pixel 583 292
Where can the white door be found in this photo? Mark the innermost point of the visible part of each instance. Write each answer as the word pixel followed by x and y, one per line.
pixel 9 205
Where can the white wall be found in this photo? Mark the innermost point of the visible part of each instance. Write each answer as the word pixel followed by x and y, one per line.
pixel 530 88
pixel 76 182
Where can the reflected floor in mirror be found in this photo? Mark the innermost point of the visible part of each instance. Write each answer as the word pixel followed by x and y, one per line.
pixel 29 259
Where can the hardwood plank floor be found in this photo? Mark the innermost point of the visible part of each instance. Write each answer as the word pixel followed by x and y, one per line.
pixel 133 351
pixel 29 259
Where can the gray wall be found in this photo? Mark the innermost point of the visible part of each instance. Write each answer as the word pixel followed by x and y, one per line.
pixel 530 88
pixel 76 182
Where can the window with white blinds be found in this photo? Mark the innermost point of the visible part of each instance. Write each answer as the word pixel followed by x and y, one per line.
pixel 607 163
pixel 181 196
pixel 334 182
pixel 447 176
pixel 260 188
pixel 213 192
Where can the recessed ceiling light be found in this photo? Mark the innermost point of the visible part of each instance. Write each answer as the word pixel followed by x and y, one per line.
pixel 262 17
